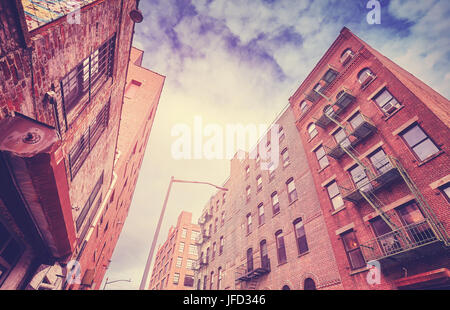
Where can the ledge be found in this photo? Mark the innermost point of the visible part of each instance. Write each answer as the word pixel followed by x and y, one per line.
pixel 356 271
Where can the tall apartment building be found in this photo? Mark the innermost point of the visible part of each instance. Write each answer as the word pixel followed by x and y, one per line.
pixel 376 138
pixel 64 189
pixel 267 230
pixel 173 268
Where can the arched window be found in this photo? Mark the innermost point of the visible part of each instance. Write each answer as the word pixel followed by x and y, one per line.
pixel 219 277
pixel 199 284
pixel 346 55
pixel 339 94
pixel 205 281
pixel 309 284
pixel 286 288
pixel 211 282
pixel 300 236
pixel 303 106
pixel 281 249
pixel 312 131
pixel 265 262
pixel 365 76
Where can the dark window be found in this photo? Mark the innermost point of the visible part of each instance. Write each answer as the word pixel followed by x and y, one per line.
pixel 419 231
pixel 221 245
pixel 205 282
pixel 281 250
pixel 261 218
pixel 213 252
pixel 353 250
pixel 249 223
pixel 264 254
pixel 388 241
pixel 386 102
pixel 418 141
pixel 10 252
pixel 188 280
pixel 300 236
pixel 286 288
pixel 80 151
pixel 250 260
pixel 219 278
pixel 292 192
pixel 446 191
pixel 199 285
pixel 309 285
pixel 211 283
pixel 275 203
pixel 87 77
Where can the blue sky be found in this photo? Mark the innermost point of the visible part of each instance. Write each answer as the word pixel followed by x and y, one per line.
pixel 238 61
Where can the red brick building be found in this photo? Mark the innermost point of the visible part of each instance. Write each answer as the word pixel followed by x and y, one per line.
pixel 267 231
pixel 376 139
pixel 63 163
pixel 173 268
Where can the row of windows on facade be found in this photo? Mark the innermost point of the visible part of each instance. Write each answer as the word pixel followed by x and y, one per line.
pixel 193 250
pixel 188 281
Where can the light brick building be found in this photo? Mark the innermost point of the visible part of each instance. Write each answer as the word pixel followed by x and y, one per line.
pixel 68 151
pixel 173 268
pixel 267 230
pixel 376 138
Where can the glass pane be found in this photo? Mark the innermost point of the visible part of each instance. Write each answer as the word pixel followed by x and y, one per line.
pixel 350 241
pixel 383 98
pixel 414 136
pixel 380 161
pixel 323 162
pixel 12 252
pixel 356 120
pixel 340 135
pixel 333 190
pixel 320 152
pixel 411 214
pixel 380 227
pixel 425 149
pixel 356 259
pixel 337 202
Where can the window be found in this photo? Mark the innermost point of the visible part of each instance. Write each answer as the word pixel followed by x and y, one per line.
pixel 193 249
pixel 300 236
pixel 303 106
pixel 80 151
pixel 89 206
pixel 258 183
pixel 213 252
pixel 217 204
pixel 249 223
pixel 275 203
pixel 312 130
pixel 176 278
pixel 380 161
pixel 346 56
pixel 10 252
pixel 309 285
pixel 386 102
pixel 281 133
pixel 285 157
pixel 356 120
pixel 222 219
pixel 248 192
pixel 446 191
pixel 247 171
pixel 335 195
pixel 183 233
pixel 292 192
pixel 418 141
pixel 194 235
pixel 387 240
pixel 258 160
pixel 221 245
pixel 80 83
pixel 317 88
pixel 250 260
pixel 261 213
pixel 410 214
pixel 286 288
pixel 189 264
pixel 188 280
pixel 199 284
pixel 216 223
pixel 205 282
pixel 281 250
pixel 179 262
pixel 365 76
pixel 207 255
pixel 265 263
pixel 219 278
pixel 360 178
pixel 341 138
pixel 322 157
pixel 353 250
pixel 211 283
pixel 181 248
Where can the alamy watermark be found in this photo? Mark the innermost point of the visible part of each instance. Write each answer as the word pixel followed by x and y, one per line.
pixel 213 141
pixel 373 277
pixel 374 15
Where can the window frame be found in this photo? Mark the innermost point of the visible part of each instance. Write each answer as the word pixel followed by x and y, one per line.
pixel 279 237
pixel 427 137
pixel 300 239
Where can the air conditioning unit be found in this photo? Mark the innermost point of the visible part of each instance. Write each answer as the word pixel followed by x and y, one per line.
pixel 389 108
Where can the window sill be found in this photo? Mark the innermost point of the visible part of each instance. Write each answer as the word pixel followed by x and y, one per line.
pixel 281 264
pixel 427 160
pixel 303 254
pixel 322 169
pixel 359 270
pixel 293 202
pixel 386 117
pixel 338 210
pixel 275 214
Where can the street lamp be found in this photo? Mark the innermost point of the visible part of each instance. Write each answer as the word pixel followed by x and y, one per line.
pixel 158 227
pixel 106 282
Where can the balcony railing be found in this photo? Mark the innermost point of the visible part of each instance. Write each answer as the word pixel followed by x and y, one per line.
pixel 334 110
pixel 385 172
pixel 398 242
pixel 247 273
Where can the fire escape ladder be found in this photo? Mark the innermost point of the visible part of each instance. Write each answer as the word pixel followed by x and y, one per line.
pixel 436 225
pixel 377 205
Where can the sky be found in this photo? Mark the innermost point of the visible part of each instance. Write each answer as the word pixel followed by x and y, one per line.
pixel 238 61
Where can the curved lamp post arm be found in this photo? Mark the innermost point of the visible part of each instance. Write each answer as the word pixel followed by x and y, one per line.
pixel 158 227
pixel 106 282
